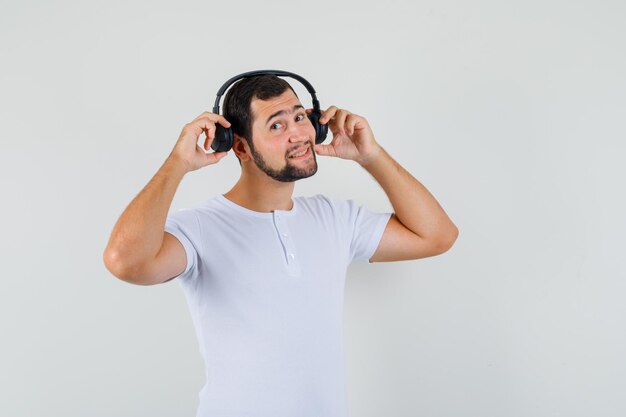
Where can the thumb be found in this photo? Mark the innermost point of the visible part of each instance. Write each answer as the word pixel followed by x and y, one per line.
pixel 214 157
pixel 325 150
pixel 220 155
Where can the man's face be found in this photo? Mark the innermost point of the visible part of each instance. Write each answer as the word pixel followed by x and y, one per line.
pixel 281 129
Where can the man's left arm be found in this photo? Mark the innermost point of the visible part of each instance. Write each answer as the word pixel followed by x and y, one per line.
pixel 419 226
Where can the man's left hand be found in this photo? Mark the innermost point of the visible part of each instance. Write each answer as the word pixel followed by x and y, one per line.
pixel 352 136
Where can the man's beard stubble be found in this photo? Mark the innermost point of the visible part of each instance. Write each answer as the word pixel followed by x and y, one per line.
pixel 290 172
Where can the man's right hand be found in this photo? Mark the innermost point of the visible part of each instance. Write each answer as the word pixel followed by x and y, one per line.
pixel 187 150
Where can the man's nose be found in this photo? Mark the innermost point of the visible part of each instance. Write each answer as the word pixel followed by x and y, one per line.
pixel 301 133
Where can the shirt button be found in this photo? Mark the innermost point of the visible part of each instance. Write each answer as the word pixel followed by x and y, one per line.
pixel 292 256
pixel 284 234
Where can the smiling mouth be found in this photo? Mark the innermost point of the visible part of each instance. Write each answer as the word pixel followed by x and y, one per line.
pixel 303 156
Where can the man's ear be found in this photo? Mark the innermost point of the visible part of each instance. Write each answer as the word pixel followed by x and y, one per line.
pixel 241 148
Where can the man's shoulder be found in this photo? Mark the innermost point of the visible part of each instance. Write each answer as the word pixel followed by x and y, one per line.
pixel 208 205
pixel 320 197
pixel 316 200
pixel 329 199
pixel 327 203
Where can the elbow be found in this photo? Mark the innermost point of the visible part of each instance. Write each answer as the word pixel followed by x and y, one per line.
pixel 447 241
pixel 118 267
pixel 113 262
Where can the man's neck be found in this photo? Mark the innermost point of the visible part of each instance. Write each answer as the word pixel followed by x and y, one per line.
pixel 261 194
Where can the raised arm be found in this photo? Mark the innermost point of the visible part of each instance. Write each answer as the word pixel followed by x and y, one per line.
pixel 139 251
pixel 419 226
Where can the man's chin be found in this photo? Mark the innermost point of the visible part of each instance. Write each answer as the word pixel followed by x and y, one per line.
pixel 299 175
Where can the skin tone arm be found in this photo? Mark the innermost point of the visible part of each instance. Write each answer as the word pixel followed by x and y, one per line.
pixel 138 235
pixel 414 205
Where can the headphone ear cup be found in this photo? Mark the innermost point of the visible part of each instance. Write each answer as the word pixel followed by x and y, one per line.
pixel 321 131
pixel 223 140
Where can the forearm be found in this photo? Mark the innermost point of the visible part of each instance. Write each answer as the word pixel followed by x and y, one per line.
pixel 413 204
pixel 138 234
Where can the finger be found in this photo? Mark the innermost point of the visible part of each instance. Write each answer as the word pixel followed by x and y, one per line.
pixel 214 157
pixel 191 129
pixel 325 150
pixel 196 128
pixel 208 127
pixel 215 118
pixel 209 157
pixel 328 114
pixel 351 122
pixel 200 125
pixel 340 121
pixel 222 120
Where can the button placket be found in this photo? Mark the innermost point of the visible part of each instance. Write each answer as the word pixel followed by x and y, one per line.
pixel 289 249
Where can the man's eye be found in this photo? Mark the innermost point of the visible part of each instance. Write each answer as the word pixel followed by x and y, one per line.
pixel 299 118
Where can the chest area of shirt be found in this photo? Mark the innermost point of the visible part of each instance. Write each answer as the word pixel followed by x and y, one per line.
pixel 278 246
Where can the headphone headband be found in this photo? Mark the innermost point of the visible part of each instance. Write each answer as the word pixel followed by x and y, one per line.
pixel 280 73
pixel 223 140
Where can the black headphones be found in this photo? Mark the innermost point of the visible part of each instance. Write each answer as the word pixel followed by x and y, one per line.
pixel 223 140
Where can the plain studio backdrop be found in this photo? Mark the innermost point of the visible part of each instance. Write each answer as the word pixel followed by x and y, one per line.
pixel 511 114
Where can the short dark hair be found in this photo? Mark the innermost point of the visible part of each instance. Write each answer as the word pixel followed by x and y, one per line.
pixel 240 95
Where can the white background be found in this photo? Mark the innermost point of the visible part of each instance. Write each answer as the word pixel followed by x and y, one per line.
pixel 511 113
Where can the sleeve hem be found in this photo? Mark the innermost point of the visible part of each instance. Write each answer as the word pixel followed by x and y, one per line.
pixel 186 244
pixel 377 235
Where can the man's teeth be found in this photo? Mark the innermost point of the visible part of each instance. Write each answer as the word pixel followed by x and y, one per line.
pixel 299 154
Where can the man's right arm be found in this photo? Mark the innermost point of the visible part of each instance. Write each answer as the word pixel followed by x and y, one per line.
pixel 139 251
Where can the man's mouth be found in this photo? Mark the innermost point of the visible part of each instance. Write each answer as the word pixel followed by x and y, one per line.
pixel 302 154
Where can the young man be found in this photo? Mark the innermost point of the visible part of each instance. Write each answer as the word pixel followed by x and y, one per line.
pixel 263 272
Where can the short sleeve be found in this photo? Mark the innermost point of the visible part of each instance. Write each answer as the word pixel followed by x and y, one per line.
pixel 368 229
pixel 360 228
pixel 184 225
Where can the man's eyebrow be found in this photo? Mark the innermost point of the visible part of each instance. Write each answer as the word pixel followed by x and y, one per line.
pixel 278 113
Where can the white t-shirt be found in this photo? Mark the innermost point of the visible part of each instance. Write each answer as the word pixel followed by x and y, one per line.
pixel 265 293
